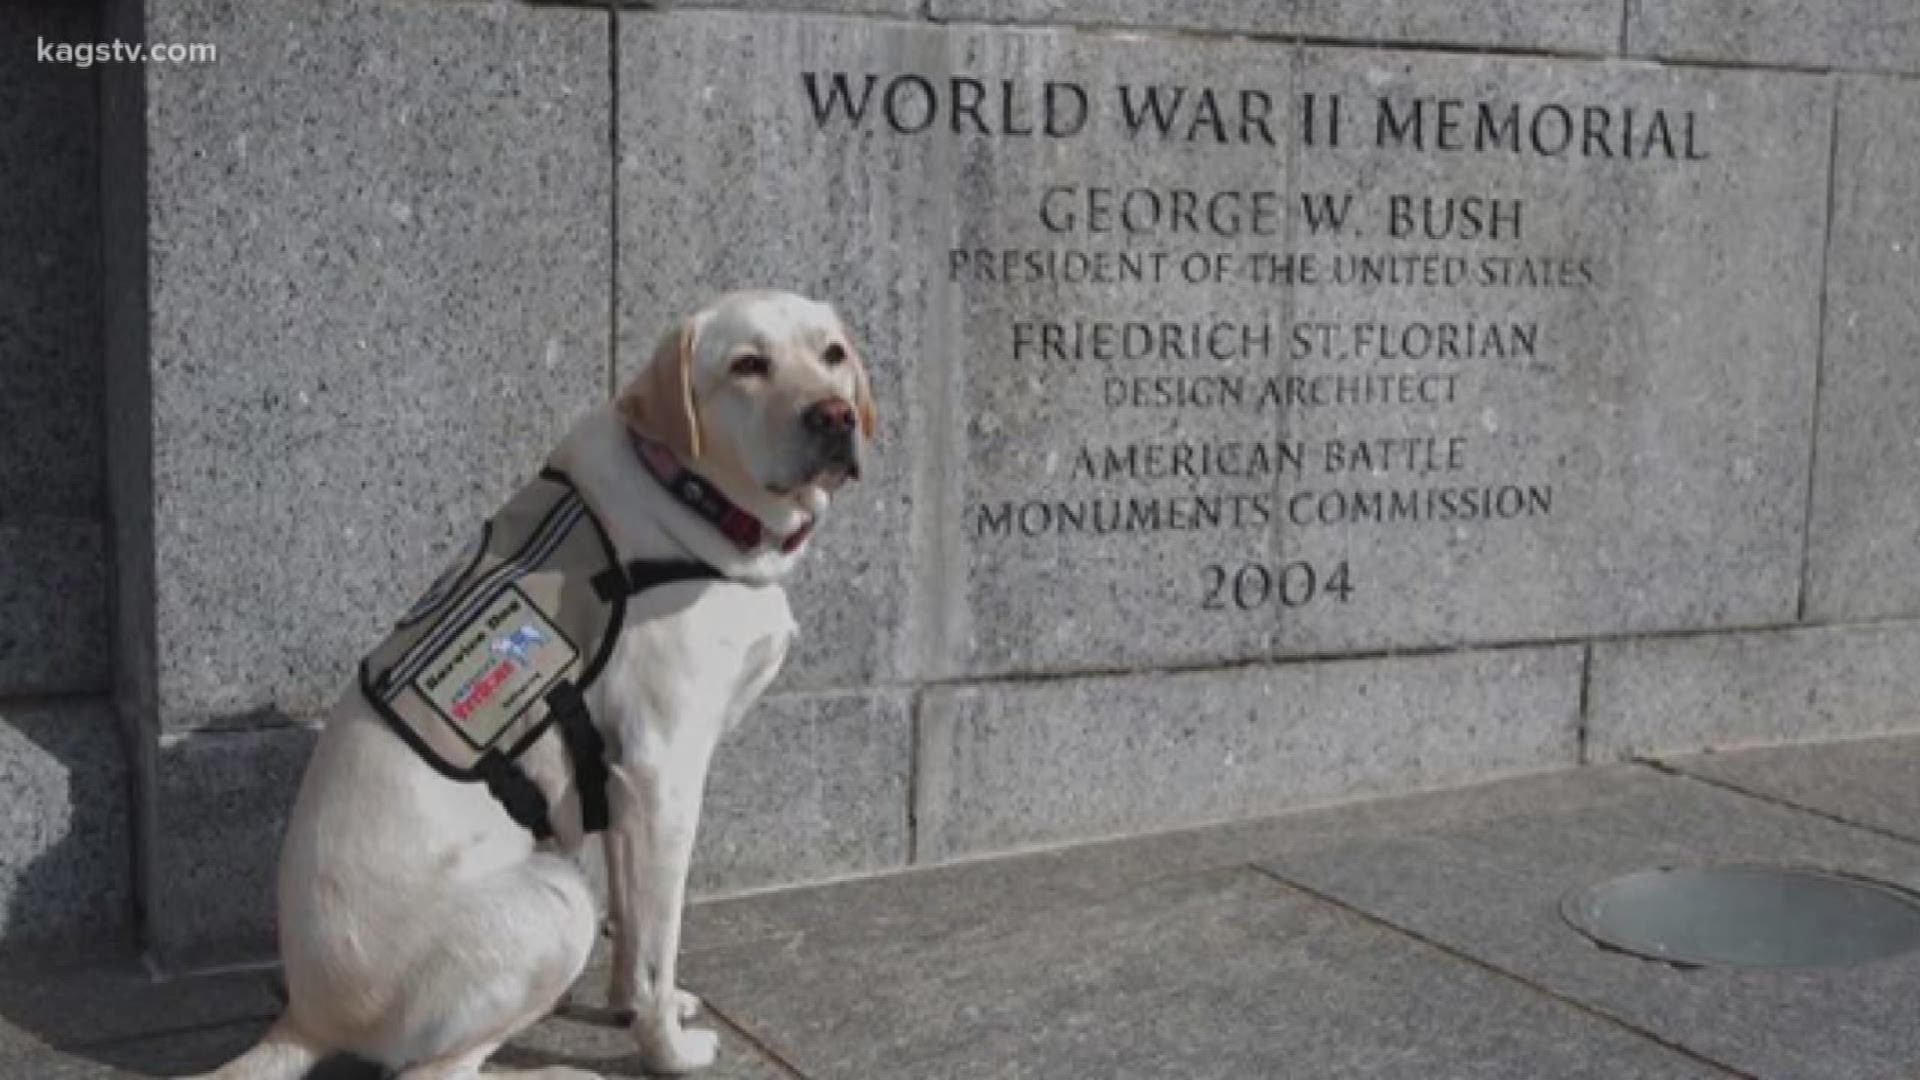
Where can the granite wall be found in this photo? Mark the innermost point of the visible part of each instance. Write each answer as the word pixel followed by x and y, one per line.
pixel 1281 402
pixel 65 853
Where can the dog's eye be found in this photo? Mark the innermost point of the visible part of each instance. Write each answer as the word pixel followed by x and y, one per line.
pixel 834 355
pixel 752 366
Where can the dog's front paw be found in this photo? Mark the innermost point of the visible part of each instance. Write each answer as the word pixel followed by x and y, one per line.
pixel 669 1048
pixel 686 1003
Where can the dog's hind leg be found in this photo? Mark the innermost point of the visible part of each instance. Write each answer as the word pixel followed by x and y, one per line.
pixel 503 950
pixel 282 1054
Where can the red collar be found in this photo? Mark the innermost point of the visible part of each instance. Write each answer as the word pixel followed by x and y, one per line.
pixel 698 495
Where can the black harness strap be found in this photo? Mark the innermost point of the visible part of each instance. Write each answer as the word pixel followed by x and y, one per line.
pixel 588 751
pixel 518 793
pixel 568 707
pixel 642 574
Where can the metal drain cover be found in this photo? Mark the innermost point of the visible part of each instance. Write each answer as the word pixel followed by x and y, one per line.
pixel 1747 916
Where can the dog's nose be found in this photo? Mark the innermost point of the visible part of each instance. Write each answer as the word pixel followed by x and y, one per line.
pixel 829 416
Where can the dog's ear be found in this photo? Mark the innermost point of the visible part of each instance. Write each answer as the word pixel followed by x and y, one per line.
pixel 862 390
pixel 659 404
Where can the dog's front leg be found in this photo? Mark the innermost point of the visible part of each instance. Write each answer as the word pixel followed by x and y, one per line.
pixel 656 803
pixel 623 990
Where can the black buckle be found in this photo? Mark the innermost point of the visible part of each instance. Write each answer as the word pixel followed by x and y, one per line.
pixel 610 584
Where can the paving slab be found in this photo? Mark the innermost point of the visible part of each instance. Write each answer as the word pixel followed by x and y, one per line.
pixel 1423 941
pixel 110 1024
pixel 66 850
pixel 114 1021
pixel 1218 974
pixel 1491 889
pixel 955 895
pixel 1871 782
pixel 589 1038
pixel 120 1003
pixel 180 1053
pixel 976 892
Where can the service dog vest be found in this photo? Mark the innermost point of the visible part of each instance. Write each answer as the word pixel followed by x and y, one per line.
pixel 504 643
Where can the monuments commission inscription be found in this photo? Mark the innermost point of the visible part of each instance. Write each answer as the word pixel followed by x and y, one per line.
pixel 1259 350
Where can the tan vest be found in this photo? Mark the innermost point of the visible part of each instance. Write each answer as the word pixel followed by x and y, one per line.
pixel 505 641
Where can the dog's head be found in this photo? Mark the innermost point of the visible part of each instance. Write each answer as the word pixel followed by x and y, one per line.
pixel 764 388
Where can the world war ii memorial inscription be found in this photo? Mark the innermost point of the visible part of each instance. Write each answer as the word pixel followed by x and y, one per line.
pixel 1261 350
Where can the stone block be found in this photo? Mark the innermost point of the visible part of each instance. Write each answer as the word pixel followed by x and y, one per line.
pixel 1213 976
pixel 879 221
pixel 50 366
pixel 1490 888
pixel 1560 25
pixel 66 850
pixel 1720 691
pixel 1862 561
pixel 1121 467
pixel 1874 783
pixel 378 293
pixel 810 786
pixel 767 206
pixel 1010 765
pixel 1594 377
pixel 220 805
pixel 901 8
pixel 1876 34
pixel 53 607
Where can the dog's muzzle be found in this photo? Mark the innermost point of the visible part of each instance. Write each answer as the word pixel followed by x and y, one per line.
pixel 833 436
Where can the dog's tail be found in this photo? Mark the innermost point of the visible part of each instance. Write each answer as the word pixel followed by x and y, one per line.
pixel 282 1054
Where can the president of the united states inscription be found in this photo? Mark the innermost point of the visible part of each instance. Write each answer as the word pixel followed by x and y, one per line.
pixel 1238 349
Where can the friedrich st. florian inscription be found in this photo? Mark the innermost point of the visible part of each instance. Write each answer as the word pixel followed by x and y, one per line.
pixel 1152 235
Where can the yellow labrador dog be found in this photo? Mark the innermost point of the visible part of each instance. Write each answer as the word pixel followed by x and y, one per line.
pixel 421 926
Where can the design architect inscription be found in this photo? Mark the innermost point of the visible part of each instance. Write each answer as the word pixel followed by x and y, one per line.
pixel 1260 350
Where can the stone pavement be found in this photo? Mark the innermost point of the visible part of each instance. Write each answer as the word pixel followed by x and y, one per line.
pixel 1416 938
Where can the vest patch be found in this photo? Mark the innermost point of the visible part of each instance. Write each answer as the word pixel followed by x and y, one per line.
pixel 497 669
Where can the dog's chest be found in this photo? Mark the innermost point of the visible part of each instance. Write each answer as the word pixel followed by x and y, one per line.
pixel 713 646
